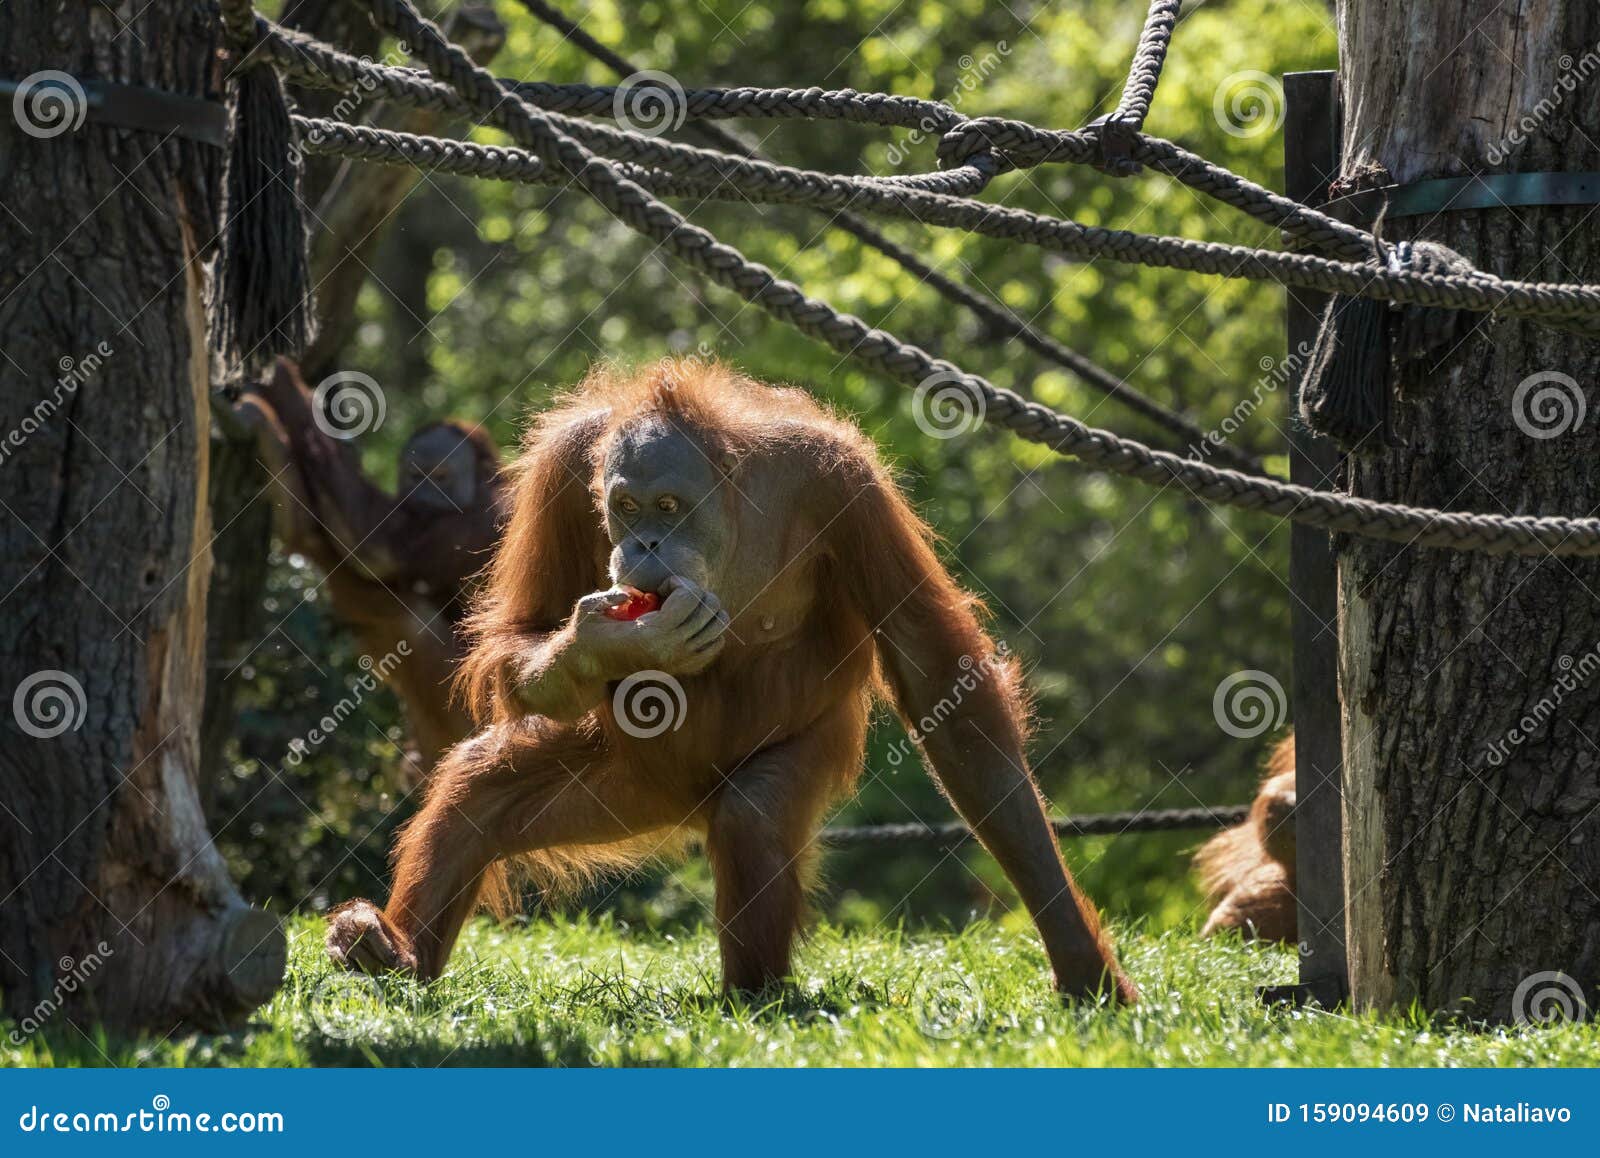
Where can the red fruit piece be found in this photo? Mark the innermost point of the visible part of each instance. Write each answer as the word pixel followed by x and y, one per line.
pixel 639 603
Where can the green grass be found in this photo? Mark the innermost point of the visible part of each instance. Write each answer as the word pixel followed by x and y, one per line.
pixel 590 991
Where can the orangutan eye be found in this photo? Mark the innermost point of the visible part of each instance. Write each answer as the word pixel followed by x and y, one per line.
pixel 667 505
pixel 627 506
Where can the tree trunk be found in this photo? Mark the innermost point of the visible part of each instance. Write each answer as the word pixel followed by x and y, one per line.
pixel 241 548
pixel 1471 685
pixel 114 904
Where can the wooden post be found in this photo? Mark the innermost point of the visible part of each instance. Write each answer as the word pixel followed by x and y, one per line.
pixel 117 908
pixel 1469 682
pixel 1311 162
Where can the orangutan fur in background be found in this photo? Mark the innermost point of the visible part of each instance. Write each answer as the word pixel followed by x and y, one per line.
pixel 1248 870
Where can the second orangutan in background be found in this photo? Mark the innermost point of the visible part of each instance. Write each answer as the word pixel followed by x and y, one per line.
pixel 1248 870
pixel 397 567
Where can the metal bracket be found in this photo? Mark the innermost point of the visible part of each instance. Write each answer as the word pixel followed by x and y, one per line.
pixel 126 106
pixel 1456 194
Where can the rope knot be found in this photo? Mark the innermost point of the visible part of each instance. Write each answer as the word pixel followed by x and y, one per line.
pixel 967 140
pixel 1115 139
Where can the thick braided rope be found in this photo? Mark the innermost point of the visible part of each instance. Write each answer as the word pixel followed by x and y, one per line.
pixel 763 181
pixel 997 316
pixel 468 159
pixel 748 102
pixel 850 335
pixel 313 63
pixel 1145 72
pixel 330 138
pixel 948 836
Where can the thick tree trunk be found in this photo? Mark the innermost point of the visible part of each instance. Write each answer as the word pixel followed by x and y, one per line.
pixel 113 902
pixel 1471 686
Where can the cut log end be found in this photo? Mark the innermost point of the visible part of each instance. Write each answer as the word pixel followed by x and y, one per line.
pixel 251 962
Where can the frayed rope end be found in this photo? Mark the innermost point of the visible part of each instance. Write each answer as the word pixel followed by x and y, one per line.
pixel 263 299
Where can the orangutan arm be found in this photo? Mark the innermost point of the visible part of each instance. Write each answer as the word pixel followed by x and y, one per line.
pixel 336 503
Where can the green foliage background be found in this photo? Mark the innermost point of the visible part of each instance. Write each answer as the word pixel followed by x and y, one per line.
pixel 1128 606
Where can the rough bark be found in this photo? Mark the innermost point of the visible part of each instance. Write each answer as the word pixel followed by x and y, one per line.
pixel 241 546
pixel 1473 855
pixel 104 853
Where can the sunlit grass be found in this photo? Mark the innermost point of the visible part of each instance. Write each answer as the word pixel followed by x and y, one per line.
pixel 584 992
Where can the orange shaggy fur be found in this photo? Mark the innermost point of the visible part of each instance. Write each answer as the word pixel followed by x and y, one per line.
pixel 1249 870
pixel 547 559
pixel 834 597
